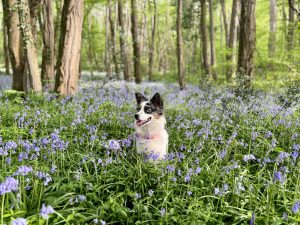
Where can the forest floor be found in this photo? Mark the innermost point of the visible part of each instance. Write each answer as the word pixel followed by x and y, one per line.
pixel 233 158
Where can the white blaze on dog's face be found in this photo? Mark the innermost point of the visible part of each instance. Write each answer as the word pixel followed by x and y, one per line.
pixel 147 110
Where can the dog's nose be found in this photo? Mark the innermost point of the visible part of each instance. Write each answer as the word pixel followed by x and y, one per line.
pixel 136 116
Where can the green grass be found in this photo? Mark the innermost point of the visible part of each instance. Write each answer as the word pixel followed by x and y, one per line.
pixel 117 186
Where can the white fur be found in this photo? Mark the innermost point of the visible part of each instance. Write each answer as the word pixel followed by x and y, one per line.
pixel 151 137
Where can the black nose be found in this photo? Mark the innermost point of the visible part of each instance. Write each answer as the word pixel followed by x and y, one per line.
pixel 136 116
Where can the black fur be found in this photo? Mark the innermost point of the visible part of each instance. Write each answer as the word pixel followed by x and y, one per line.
pixel 140 98
pixel 157 103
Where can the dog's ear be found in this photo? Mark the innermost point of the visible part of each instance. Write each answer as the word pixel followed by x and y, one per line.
pixel 157 102
pixel 140 98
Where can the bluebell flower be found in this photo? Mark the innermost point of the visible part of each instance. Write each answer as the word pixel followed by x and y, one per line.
pixel 170 168
pixel 23 170
pixel 189 193
pixel 248 157
pixel 198 170
pixel 138 195
pixel 252 220
pixel 296 207
pixel 19 221
pixel 10 184
pixel 278 176
pixel 150 193
pixel 162 212
pixel 45 211
pixel 102 222
pixel 222 153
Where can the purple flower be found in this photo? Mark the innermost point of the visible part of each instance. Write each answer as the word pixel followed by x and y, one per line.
pixel 285 216
pixel 150 193
pixel 113 145
pixel 248 157
pixel 278 176
pixel 189 193
pixel 102 222
pixel 138 195
pixel 222 154
pixel 296 207
pixel 19 221
pixel 10 184
pixel 23 170
pixel 252 220
pixel 187 178
pixel 198 170
pixel 45 211
pixel 162 212
pixel 170 168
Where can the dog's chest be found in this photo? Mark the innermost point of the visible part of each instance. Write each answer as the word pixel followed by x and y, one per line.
pixel 156 143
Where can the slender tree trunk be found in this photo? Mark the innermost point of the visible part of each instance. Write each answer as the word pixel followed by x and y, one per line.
pixel 48 60
pixel 203 29
pixel 14 43
pixel 225 20
pixel 29 46
pixel 273 23
pixel 5 41
pixel 113 39
pixel 107 46
pixel 136 44
pixel 232 39
pixel 291 31
pixel 180 62
pixel 247 42
pixel 124 55
pixel 152 44
pixel 212 41
pixel 69 48
pixel 89 47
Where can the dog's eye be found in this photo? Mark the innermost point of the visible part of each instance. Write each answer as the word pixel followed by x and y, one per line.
pixel 148 110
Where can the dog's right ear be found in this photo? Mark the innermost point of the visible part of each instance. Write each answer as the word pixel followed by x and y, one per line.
pixel 140 98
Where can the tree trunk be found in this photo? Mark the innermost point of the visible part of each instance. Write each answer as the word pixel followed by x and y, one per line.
pixel 212 41
pixel 29 46
pixel 272 35
pixel 203 29
pixel 113 39
pixel 152 44
pixel 232 39
pixel 136 45
pixel 48 60
pixel 124 55
pixel 291 32
pixel 247 42
pixel 33 9
pixel 14 43
pixel 107 46
pixel 180 62
pixel 69 48
pixel 89 47
pixel 225 20
pixel 5 41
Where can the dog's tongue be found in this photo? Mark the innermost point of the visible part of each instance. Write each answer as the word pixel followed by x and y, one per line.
pixel 139 122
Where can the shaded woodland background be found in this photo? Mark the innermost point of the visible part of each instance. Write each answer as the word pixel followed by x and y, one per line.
pixel 48 44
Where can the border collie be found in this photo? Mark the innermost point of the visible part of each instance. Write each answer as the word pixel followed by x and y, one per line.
pixel 151 136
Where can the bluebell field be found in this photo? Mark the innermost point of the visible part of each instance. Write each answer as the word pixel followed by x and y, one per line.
pixel 232 159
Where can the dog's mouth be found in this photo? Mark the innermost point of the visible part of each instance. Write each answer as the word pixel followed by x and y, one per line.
pixel 143 122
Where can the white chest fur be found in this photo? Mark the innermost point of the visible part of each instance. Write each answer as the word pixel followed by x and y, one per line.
pixel 153 138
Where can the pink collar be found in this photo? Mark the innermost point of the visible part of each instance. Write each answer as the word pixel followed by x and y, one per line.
pixel 147 137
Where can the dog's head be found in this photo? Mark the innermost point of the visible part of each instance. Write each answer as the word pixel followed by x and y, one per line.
pixel 147 110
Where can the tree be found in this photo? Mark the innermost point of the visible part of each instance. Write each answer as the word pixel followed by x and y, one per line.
pixel 113 38
pixel 232 39
pixel 29 46
pixel 203 29
pixel 272 35
pixel 152 43
pixel 212 40
pixel 225 21
pixel 291 32
pixel 5 39
pixel 247 42
pixel 136 44
pixel 69 48
pixel 180 62
pixel 48 60
pixel 123 48
pixel 14 44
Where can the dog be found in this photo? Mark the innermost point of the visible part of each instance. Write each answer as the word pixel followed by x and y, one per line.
pixel 151 135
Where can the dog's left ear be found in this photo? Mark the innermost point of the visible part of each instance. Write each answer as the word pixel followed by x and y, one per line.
pixel 157 102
